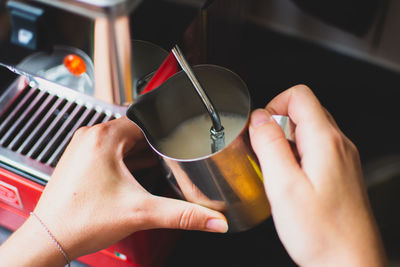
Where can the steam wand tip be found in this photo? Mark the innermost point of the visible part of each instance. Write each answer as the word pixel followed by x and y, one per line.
pixel 217 139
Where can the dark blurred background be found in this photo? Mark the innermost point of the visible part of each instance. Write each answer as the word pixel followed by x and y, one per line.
pixel 347 52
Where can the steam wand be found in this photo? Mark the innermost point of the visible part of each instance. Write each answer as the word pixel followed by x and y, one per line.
pixel 217 131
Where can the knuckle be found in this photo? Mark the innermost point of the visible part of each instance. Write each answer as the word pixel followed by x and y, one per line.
pixel 336 142
pixel 352 149
pixel 301 88
pixel 187 218
pixel 332 140
pixel 352 145
pixel 81 131
pixel 336 138
pixel 275 137
pixel 267 144
pixel 292 190
pixel 92 137
pixel 99 131
pixel 271 136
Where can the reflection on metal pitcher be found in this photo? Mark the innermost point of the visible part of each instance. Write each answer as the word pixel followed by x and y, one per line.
pixel 228 180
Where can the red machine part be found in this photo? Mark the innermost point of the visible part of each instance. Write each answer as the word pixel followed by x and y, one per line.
pixel 14 189
pixel 168 68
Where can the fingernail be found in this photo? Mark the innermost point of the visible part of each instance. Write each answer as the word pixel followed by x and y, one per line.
pixel 260 117
pixel 217 225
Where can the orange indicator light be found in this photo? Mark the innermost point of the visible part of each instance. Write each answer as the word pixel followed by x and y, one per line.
pixel 75 64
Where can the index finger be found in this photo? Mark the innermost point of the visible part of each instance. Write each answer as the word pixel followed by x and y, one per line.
pixel 313 127
pixel 300 104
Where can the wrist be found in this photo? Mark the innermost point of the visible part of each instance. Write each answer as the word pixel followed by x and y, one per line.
pixel 31 245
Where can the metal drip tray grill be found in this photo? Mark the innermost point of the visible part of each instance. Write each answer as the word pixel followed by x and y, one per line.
pixel 37 123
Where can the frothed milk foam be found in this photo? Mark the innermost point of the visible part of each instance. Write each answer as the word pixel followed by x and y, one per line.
pixel 191 139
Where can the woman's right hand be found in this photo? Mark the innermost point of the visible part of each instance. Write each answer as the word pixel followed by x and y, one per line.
pixel 319 204
pixel 92 200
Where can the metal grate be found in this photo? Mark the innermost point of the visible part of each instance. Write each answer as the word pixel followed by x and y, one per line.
pixel 36 125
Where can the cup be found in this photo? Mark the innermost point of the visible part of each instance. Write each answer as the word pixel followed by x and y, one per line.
pixel 229 180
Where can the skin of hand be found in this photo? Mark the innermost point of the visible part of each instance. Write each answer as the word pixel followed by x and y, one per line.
pixel 92 200
pixel 319 204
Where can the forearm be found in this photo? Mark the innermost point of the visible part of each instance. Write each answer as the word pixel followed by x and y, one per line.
pixel 30 245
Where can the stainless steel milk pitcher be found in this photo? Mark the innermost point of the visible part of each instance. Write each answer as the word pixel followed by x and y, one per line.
pixel 229 180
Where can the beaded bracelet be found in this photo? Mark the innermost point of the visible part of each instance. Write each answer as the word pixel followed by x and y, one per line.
pixel 54 239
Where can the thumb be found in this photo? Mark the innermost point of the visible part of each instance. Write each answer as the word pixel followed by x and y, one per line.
pixel 278 163
pixel 179 214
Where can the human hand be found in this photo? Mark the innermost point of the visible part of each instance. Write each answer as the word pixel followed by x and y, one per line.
pixel 92 200
pixel 319 204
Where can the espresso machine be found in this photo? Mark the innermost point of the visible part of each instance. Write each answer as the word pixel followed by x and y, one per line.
pixel 72 63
